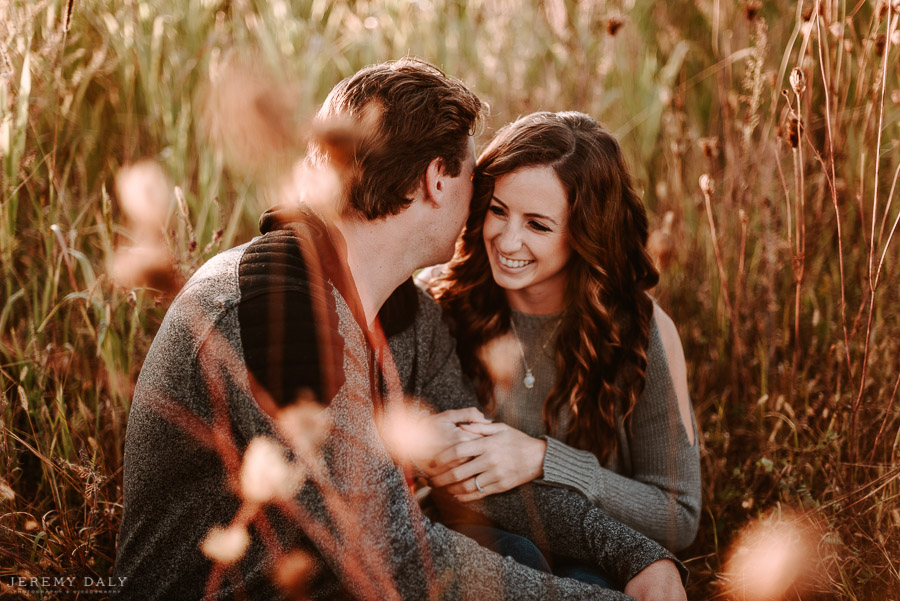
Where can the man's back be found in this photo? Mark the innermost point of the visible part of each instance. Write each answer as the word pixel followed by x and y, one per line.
pixel 176 482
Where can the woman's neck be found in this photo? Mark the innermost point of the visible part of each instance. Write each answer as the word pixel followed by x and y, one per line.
pixel 540 302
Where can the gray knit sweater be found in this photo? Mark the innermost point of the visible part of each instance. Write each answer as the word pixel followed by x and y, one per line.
pixel 652 480
pixel 197 406
pixel 651 483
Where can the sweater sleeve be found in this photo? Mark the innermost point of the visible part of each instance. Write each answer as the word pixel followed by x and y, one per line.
pixel 660 494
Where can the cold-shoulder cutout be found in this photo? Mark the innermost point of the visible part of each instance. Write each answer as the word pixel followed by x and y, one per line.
pixel 677 367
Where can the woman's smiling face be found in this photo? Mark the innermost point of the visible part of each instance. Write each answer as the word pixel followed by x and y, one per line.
pixel 526 241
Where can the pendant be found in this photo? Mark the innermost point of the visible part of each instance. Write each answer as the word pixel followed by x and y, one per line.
pixel 528 380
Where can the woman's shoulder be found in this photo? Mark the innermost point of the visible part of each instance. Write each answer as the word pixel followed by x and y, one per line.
pixel 667 331
pixel 671 353
pixel 430 311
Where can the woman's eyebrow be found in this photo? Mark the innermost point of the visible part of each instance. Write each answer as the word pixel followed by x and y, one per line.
pixel 529 215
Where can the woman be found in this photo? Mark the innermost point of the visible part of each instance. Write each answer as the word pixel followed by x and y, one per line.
pixel 552 267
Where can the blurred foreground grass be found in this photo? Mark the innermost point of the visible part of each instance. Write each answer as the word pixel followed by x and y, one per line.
pixel 780 266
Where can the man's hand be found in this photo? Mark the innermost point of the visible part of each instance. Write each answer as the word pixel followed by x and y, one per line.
pixel 440 432
pixel 660 581
pixel 501 458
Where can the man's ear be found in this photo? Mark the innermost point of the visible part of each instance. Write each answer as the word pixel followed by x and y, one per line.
pixel 435 182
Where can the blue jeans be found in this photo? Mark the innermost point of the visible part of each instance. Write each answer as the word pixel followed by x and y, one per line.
pixel 507 544
pixel 584 572
pixel 526 553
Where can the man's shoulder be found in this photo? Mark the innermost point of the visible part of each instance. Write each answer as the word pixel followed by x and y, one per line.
pixel 262 262
pixel 408 310
pixel 218 274
pixel 198 309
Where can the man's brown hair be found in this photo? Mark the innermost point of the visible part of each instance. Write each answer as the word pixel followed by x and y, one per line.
pixel 408 113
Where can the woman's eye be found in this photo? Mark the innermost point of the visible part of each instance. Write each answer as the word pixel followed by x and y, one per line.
pixel 540 227
pixel 494 209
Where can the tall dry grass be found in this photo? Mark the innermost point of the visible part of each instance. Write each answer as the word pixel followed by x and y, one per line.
pixel 767 131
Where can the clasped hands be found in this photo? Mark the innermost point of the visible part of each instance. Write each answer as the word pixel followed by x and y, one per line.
pixel 464 445
pixel 473 457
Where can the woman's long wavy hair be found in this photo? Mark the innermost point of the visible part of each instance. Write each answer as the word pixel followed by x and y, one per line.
pixel 601 350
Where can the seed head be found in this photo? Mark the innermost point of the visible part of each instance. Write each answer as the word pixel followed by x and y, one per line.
pixel 880 43
pixel 225 545
pixel 318 186
pixel 613 25
pixel 23 398
pixel 662 190
pixel 265 473
pixel 771 557
pixel 404 433
pixel 6 492
pixel 798 81
pixel 145 264
pixel 661 243
pixel 794 129
pixel 501 356
pixel 707 185
pixel 751 9
pixel 710 147
pixel 305 423
pixel 557 17
pixel 145 195
pixel 293 574
pixel 249 114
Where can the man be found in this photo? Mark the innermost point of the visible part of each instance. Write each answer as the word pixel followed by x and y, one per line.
pixel 275 344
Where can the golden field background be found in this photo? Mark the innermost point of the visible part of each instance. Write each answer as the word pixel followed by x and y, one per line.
pixel 767 131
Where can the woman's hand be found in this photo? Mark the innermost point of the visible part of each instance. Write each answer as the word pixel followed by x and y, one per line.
pixel 441 432
pixel 500 458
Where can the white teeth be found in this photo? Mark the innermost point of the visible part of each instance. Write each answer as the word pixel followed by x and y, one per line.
pixel 511 263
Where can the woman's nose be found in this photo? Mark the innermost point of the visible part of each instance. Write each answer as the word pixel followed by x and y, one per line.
pixel 510 239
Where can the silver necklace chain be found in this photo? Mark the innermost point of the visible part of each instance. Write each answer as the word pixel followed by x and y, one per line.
pixel 528 380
